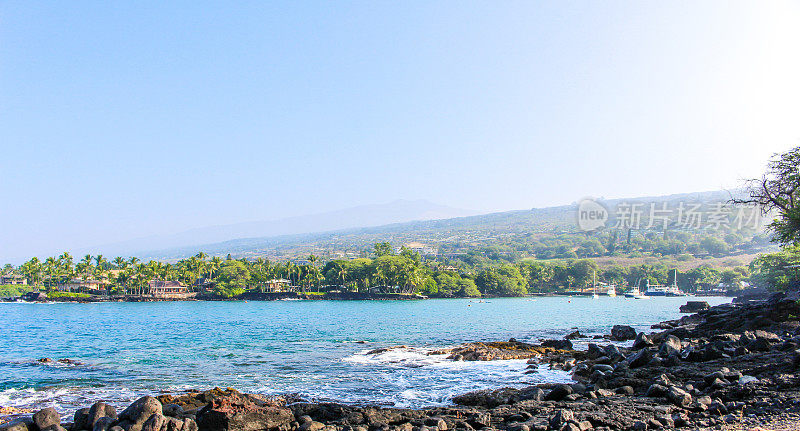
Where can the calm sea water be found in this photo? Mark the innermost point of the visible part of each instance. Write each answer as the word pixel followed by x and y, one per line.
pixel 314 348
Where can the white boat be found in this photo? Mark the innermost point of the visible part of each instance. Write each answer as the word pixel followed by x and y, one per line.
pixel 662 290
pixel 635 293
pixel 605 289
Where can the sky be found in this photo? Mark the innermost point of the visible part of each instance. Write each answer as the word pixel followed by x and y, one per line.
pixel 126 119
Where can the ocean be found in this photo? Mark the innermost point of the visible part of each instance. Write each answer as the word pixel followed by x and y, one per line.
pixel 317 349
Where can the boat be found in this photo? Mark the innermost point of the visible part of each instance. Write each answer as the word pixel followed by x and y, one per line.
pixel 663 290
pixel 634 292
pixel 602 289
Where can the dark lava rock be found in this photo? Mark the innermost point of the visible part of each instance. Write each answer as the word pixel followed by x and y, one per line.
pixel 623 333
pixel 639 359
pixel 81 420
pixel 558 344
pixel 575 335
pixel 670 346
pixel 558 393
pixel 694 306
pixel 561 418
pixel 678 396
pixel 642 341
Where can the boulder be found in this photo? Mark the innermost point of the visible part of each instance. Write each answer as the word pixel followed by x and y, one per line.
pixel 561 418
pixel 642 340
pixel 558 344
pixel 678 396
pixel 558 393
pixel 575 335
pixel 655 390
pixel 488 398
pixel 594 351
pixel 694 306
pixel 639 359
pixel 81 420
pixel 173 410
pixel 623 333
pixel 241 414
pixel 479 419
pixel 603 368
pixel 97 411
pixel 759 345
pixel 103 424
pixel 134 417
pixel 531 393
pixel 46 417
pixel 20 424
pixel 154 422
pixel 671 345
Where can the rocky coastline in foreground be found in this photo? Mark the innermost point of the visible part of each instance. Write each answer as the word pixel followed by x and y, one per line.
pixel 733 366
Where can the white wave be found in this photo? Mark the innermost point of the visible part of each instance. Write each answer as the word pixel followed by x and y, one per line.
pixel 406 356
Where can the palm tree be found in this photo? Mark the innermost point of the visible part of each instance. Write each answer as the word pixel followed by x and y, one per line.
pixel 342 273
pixel 120 262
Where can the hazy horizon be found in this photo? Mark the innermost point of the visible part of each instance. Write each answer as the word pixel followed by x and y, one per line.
pixel 124 121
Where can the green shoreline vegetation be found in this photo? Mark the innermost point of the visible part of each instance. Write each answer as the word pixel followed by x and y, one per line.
pixel 384 272
pixel 576 264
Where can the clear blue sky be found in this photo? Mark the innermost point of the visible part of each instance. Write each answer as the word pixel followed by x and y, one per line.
pixel 125 119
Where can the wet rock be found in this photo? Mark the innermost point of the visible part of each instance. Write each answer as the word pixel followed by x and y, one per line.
pixel 558 344
pixel 575 335
pixel 623 333
pixel 46 417
pixel 487 398
pixel 594 351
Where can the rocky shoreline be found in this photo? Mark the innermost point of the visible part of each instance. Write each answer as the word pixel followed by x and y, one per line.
pixel 732 366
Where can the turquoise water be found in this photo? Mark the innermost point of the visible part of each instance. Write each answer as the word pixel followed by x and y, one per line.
pixel 314 348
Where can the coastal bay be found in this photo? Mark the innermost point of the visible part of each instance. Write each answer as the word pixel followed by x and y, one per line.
pixel 313 348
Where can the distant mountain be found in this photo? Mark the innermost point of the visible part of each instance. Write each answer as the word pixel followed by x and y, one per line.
pixel 398 211
pixel 460 231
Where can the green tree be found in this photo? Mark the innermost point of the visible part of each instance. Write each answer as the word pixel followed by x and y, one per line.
pixel 777 191
pixel 382 249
